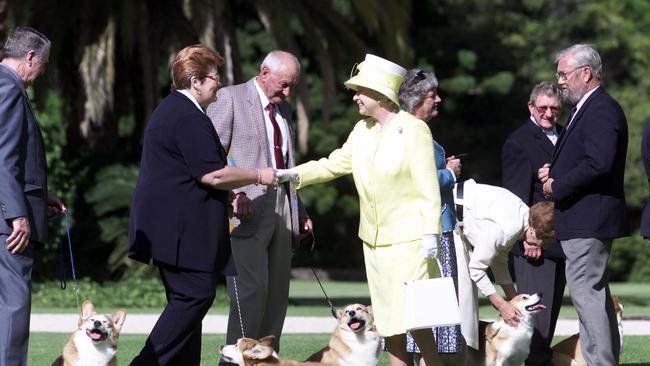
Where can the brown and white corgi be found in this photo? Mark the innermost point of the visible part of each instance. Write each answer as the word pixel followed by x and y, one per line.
pixel 251 352
pixel 507 345
pixel 569 353
pixel 94 343
pixel 354 342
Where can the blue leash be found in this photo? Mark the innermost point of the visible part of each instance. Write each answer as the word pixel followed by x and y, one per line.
pixel 62 279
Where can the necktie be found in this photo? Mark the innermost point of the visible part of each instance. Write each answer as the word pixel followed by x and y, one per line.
pixel 573 111
pixel 277 139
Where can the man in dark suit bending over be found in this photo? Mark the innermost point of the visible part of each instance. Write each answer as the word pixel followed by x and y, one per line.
pixel 586 181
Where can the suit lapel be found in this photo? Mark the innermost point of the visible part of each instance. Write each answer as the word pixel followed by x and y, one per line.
pixel 566 133
pixel 540 138
pixel 257 118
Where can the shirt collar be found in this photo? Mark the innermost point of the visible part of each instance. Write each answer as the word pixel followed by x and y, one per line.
pixel 15 75
pixel 546 131
pixel 584 98
pixel 186 93
pixel 263 98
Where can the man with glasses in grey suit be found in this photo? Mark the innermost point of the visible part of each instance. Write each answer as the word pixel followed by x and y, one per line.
pixel 24 200
pixel 253 121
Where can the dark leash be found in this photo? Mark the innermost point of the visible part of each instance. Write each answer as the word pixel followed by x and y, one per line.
pixel 62 272
pixel 329 302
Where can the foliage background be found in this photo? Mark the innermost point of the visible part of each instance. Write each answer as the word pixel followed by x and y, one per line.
pixel 109 69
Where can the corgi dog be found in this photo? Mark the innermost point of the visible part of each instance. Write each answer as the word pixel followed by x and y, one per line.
pixel 569 353
pixel 507 345
pixel 354 342
pixel 94 343
pixel 251 352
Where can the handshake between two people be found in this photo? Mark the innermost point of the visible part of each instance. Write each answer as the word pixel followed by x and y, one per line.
pixel 273 177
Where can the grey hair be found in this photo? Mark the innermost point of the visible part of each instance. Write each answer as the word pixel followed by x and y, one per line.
pixel 582 54
pixel 546 88
pixel 414 88
pixel 275 59
pixel 25 39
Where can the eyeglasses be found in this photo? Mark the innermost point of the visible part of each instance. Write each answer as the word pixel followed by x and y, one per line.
pixel 542 109
pixel 565 75
pixel 215 78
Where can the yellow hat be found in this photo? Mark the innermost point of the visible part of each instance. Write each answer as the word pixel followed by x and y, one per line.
pixel 378 74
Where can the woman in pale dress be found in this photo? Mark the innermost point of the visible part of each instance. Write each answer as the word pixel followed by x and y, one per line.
pixel 419 96
pixel 390 155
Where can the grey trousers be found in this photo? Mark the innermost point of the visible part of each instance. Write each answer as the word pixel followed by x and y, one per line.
pixel 263 263
pixel 588 281
pixel 15 304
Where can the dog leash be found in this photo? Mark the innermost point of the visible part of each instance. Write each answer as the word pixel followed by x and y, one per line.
pixel 62 279
pixel 241 322
pixel 329 302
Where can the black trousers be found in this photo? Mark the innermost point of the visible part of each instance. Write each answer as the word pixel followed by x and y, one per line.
pixel 176 338
pixel 545 276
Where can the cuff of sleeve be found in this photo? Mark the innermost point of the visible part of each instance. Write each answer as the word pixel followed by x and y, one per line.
pixel 453 175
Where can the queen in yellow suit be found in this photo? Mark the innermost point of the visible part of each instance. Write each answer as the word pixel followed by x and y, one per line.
pixel 390 155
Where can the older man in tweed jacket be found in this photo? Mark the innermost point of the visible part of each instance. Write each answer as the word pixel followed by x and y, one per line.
pixel 253 121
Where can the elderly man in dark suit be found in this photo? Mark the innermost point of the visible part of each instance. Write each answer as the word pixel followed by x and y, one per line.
pixel 586 181
pixel 645 155
pixel 253 121
pixel 23 189
pixel 537 270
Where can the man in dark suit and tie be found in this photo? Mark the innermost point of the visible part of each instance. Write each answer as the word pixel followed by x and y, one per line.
pixel 586 181
pixel 24 199
pixel 537 270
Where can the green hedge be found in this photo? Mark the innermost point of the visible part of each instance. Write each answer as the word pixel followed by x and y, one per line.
pixel 130 294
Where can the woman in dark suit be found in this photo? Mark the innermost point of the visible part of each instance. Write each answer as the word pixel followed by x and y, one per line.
pixel 179 209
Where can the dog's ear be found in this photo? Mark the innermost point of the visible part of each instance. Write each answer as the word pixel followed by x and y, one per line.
pixel 268 340
pixel 118 318
pixel 87 310
pixel 339 314
pixel 259 352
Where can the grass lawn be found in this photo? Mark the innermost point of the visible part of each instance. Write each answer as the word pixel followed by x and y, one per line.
pixel 45 347
pixel 306 298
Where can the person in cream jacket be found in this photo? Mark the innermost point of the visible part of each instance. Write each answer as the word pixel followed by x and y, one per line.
pixel 493 219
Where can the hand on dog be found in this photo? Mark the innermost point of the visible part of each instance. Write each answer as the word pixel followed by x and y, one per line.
pixel 510 314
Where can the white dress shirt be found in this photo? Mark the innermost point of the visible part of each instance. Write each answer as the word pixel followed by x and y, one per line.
pixel 269 126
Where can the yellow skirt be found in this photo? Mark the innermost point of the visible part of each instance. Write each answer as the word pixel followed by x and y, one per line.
pixel 387 268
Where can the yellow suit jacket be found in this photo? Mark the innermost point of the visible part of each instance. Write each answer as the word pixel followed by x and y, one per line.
pixel 394 173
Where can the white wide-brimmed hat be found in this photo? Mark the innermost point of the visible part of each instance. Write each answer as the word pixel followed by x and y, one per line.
pixel 378 74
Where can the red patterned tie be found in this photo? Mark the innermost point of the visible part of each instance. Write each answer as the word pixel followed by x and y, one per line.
pixel 277 139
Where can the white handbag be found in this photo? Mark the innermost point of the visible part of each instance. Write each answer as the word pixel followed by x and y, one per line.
pixel 430 303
